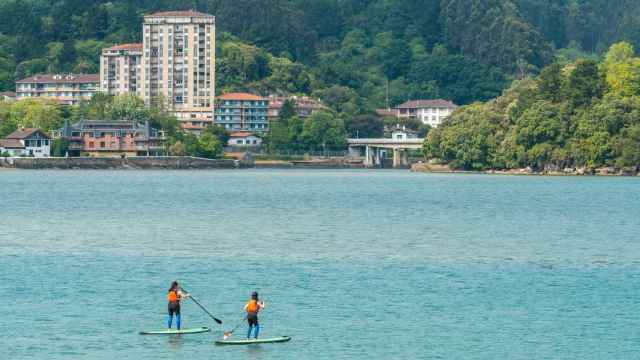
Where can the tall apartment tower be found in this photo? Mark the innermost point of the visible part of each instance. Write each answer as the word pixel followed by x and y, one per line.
pixel 120 68
pixel 178 64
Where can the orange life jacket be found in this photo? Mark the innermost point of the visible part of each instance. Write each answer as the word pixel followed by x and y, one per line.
pixel 253 307
pixel 173 296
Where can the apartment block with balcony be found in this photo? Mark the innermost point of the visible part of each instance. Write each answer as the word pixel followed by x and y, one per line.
pixel 68 89
pixel 242 112
pixel 178 65
pixel 120 68
pixel 430 112
pixel 113 138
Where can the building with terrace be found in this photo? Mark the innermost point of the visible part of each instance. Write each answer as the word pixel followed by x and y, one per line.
pixel 68 89
pixel 120 67
pixel 178 65
pixel 242 112
pixel 430 112
pixel 113 138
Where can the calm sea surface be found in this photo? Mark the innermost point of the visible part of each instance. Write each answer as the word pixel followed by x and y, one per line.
pixel 352 264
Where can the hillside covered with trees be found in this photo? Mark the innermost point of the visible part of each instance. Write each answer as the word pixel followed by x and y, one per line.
pixel 581 114
pixel 348 52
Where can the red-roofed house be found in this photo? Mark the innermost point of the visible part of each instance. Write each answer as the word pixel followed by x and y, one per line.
pixel 242 112
pixel 26 142
pixel 244 138
pixel 430 112
pixel 69 89
pixel 120 69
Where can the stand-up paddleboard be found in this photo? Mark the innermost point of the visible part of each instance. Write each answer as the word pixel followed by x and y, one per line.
pixel 254 341
pixel 176 332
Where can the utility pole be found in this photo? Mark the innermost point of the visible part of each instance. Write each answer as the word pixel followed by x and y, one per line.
pixel 387 92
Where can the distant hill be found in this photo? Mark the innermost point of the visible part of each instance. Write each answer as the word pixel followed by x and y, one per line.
pixel 350 51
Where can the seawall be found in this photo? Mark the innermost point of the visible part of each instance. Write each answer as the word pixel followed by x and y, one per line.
pixel 137 162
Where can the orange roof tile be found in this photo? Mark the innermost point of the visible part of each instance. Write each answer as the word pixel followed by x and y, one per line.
pixel 130 47
pixel 240 96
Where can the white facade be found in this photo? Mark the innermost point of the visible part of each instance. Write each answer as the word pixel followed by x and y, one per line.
pixel 178 64
pixel 120 69
pixel 249 140
pixel 429 112
pixel 433 116
pixel 68 89
pixel 29 142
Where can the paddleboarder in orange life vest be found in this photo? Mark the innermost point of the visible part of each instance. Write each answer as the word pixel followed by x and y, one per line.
pixel 174 297
pixel 252 308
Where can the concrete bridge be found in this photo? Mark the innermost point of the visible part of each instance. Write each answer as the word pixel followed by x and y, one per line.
pixel 374 150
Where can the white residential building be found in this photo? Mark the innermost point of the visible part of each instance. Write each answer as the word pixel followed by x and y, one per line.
pixel 178 64
pixel 26 142
pixel 430 112
pixel 120 69
pixel 68 89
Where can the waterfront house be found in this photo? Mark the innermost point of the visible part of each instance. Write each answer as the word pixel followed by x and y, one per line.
pixel 244 139
pixel 429 112
pixel 113 138
pixel 68 89
pixel 242 112
pixel 26 142
pixel 305 106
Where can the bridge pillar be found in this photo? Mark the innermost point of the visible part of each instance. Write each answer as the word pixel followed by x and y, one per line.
pixel 404 160
pixel 368 156
pixel 396 158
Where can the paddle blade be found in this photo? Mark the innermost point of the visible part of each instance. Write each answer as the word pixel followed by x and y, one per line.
pixel 218 321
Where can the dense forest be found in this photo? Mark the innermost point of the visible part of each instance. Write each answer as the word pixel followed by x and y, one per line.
pixel 352 53
pixel 584 114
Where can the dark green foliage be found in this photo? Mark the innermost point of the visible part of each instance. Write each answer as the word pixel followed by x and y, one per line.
pixel 585 83
pixel 567 117
pixel 59 147
pixel 365 126
pixel 287 111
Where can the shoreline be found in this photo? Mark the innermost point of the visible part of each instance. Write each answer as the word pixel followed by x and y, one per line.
pixel 127 163
pixel 569 172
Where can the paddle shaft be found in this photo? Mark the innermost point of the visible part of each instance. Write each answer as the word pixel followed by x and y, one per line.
pixel 203 309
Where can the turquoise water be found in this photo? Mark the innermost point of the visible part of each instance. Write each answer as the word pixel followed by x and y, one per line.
pixel 352 264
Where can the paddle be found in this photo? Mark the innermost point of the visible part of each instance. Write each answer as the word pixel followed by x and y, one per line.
pixel 227 334
pixel 202 307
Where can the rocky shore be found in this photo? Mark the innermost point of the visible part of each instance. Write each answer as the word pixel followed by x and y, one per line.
pixel 578 171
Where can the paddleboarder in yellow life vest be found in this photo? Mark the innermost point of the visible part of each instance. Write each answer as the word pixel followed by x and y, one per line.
pixel 174 297
pixel 252 308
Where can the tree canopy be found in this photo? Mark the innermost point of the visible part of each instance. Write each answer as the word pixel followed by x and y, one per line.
pixel 583 114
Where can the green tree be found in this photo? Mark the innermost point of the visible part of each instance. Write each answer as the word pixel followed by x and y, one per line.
pixel 550 83
pixel 59 147
pixel 287 111
pixel 365 126
pixel 208 144
pixel 323 131
pixel 585 83
pixel 127 107
pixel 622 69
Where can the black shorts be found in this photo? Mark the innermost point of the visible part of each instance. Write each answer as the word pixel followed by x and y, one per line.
pixel 174 308
pixel 252 319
